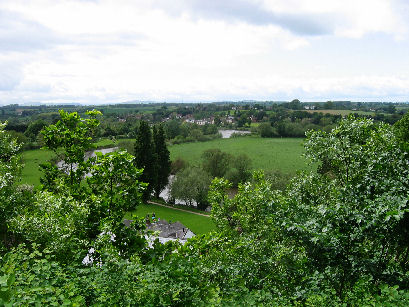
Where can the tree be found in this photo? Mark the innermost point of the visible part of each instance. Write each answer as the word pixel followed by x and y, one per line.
pixel 191 185
pixel 163 164
pixel 10 168
pixel 71 136
pixel 351 219
pixel 34 129
pixel 216 162
pixel 240 169
pixel 114 178
pixel 145 157
pixel 266 131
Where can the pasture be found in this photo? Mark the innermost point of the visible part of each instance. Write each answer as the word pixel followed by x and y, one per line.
pixel 340 112
pixel 283 154
pixel 197 223
pixel 32 159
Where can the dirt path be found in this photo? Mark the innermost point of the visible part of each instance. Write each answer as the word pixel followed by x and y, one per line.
pixel 170 207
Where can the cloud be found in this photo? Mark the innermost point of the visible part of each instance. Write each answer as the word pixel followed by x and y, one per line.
pixel 251 12
pixel 10 76
pixel 20 34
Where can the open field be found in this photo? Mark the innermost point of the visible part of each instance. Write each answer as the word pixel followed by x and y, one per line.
pixel 340 112
pixel 32 159
pixel 198 224
pixel 283 154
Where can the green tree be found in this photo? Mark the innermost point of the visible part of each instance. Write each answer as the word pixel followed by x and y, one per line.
pixel 71 136
pixel 163 164
pixel 10 168
pixel 216 162
pixel 34 129
pixel 191 185
pixel 240 169
pixel 114 178
pixel 145 157
pixel 349 219
pixel 266 131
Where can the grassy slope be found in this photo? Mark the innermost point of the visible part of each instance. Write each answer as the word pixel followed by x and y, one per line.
pixel 198 224
pixel 32 159
pixel 282 154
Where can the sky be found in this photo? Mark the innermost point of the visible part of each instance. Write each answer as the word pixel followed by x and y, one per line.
pixel 110 51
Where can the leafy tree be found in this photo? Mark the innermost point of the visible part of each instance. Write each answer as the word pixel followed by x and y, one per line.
pixel 145 157
pixel 240 169
pixel 266 131
pixel 350 221
pixel 71 136
pixel 34 129
pixel 216 162
pixel 114 178
pixel 191 185
pixel 177 165
pixel 163 164
pixel 402 130
pixel 10 168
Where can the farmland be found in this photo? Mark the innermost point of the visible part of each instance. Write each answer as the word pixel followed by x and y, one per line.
pixel 341 112
pixel 32 159
pixel 283 154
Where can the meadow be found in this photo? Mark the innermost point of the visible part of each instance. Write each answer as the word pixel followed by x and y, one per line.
pixel 197 223
pixel 283 154
pixel 341 112
pixel 32 159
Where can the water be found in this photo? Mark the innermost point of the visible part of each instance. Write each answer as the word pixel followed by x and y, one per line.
pixel 227 133
pixel 63 166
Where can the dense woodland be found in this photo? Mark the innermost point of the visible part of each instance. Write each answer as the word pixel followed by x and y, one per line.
pixel 337 235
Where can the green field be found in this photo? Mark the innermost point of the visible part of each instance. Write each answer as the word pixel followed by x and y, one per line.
pixel 341 112
pixel 283 154
pixel 32 159
pixel 198 224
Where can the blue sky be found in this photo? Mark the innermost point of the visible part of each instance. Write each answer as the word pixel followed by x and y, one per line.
pixel 203 50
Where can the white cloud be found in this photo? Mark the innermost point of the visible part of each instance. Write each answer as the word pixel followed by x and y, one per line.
pixel 108 50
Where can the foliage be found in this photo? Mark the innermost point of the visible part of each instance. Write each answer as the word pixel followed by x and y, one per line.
pixel 9 171
pixel 163 164
pixel 334 237
pixel 73 135
pixel 191 185
pixel 57 223
pixel 114 178
pixel 239 170
pixel 145 157
pixel 177 165
pixel 216 162
pixel 266 131
pixel 349 219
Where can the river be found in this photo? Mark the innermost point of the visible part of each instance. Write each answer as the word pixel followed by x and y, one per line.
pixel 61 164
pixel 228 133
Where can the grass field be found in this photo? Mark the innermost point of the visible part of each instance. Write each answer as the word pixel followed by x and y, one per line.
pixel 198 224
pixel 283 154
pixel 340 112
pixel 32 159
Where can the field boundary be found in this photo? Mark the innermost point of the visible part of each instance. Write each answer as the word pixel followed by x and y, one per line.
pixel 170 207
